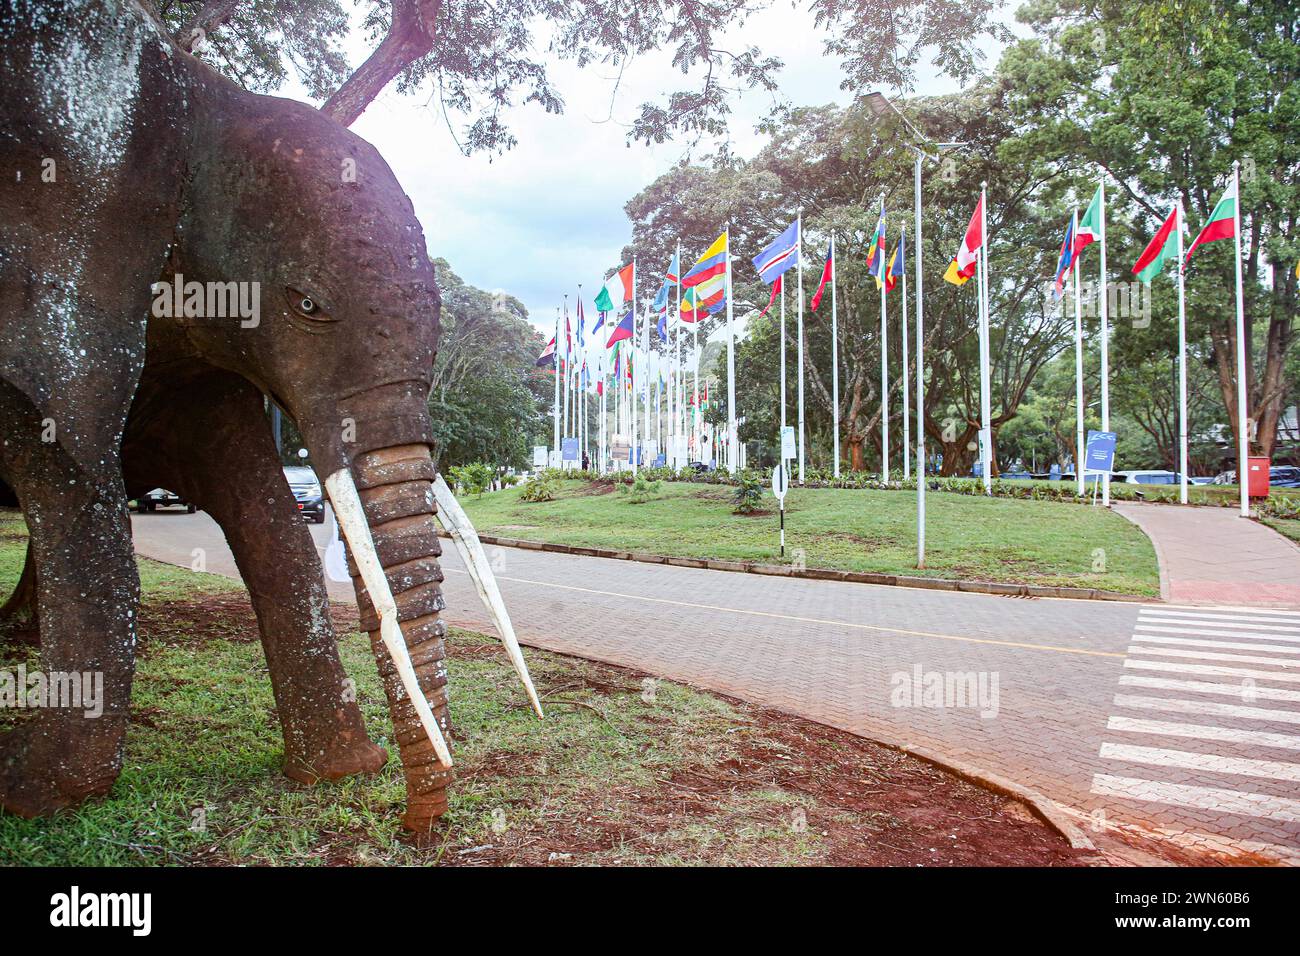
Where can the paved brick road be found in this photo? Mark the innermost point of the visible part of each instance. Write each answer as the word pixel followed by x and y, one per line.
pixel 1215 556
pixel 1175 719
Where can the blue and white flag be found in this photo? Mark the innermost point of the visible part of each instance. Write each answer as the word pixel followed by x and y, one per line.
pixel 780 255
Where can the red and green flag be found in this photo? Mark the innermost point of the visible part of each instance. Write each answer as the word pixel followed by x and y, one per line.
pixel 1162 248
pixel 1090 225
pixel 1222 223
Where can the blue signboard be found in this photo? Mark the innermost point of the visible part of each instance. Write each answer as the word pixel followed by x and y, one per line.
pixel 569 449
pixel 1100 452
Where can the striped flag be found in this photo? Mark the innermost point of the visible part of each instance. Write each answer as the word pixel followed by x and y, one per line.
pixel 896 262
pixel 1222 223
pixel 876 251
pixel 708 278
pixel 964 262
pixel 780 255
pixel 1064 259
pixel 1162 248
pixel 1090 224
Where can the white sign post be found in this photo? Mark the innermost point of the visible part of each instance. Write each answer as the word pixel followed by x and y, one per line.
pixel 780 485
pixel 788 446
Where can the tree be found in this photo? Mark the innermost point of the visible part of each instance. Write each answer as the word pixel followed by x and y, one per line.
pixel 1164 97
pixel 488 400
pixel 480 56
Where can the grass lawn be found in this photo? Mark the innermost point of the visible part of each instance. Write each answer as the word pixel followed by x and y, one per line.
pixel 1287 526
pixel 621 770
pixel 992 539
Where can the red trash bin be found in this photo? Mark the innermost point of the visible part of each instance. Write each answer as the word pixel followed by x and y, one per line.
pixel 1257 472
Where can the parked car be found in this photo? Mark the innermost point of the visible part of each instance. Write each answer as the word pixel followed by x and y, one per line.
pixel 1146 477
pixel 1201 480
pixel 306 491
pixel 1284 476
pixel 162 498
pixel 697 466
pixel 1015 475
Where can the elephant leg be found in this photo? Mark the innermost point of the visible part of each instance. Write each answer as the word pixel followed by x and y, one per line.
pixel 210 442
pixel 19 616
pixel 88 593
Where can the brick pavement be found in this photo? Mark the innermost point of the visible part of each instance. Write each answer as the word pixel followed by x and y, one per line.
pixel 1214 556
pixel 847 655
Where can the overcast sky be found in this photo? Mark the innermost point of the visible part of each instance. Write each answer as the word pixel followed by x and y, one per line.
pixel 549 213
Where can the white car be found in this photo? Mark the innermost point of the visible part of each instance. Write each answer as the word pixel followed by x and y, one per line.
pixel 1146 477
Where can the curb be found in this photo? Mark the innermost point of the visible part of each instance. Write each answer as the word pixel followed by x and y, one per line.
pixel 822 574
pixel 1043 807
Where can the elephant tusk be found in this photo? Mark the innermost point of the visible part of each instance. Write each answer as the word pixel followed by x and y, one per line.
pixel 352 519
pixel 453 518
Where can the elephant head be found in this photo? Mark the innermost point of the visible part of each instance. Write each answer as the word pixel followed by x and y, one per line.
pixel 339 326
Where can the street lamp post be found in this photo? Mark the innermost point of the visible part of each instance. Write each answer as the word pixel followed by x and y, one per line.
pixel 882 108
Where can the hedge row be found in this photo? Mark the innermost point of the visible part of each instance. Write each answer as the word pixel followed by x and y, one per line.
pixel 1276 507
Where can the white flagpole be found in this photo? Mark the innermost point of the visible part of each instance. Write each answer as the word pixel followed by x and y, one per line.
pixel 907 412
pixel 799 270
pixel 568 375
pixel 1104 309
pixel 679 416
pixel 884 365
pixel 920 373
pixel 783 359
pixel 635 371
pixel 1243 444
pixel 555 363
pixel 986 403
pixel 1079 457
pixel 835 365
pixel 731 365
pixel 1182 362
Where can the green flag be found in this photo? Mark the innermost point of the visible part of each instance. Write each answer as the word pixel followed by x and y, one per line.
pixel 1162 247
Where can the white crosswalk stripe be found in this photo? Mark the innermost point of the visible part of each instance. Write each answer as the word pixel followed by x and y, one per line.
pixel 1176 744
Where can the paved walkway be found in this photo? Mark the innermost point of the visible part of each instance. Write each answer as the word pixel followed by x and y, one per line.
pixel 1215 556
pixel 1176 720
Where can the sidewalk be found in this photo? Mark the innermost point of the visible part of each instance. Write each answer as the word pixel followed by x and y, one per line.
pixel 1215 556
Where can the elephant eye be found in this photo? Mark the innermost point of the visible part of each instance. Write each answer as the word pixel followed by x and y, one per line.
pixel 307 306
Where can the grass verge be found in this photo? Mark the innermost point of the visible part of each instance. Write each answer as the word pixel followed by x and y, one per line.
pixel 992 539
pixel 624 769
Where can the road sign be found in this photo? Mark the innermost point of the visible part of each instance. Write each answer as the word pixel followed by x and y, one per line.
pixel 788 449
pixel 1099 453
pixel 780 482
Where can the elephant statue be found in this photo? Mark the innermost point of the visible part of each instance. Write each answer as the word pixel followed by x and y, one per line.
pixel 174 251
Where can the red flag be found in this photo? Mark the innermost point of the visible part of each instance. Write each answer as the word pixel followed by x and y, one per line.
pixel 776 290
pixel 826 275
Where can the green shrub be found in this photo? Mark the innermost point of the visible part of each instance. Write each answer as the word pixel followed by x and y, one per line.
pixel 475 478
pixel 538 488
pixel 748 494
pixel 641 490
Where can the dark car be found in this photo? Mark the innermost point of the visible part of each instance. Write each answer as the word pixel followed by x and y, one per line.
pixel 161 498
pixel 1284 476
pixel 697 466
pixel 306 492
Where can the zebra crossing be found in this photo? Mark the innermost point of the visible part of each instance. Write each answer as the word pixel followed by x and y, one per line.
pixel 1207 720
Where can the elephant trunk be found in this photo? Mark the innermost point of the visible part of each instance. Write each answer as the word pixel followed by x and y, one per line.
pixel 395 489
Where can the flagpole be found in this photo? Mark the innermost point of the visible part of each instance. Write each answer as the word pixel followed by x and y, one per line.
pixel 920 377
pixel 1243 444
pixel 884 360
pixel 555 363
pixel 731 366
pixel 1182 362
pixel 799 350
pixel 632 425
pixel 1079 456
pixel 783 359
pixel 986 403
pixel 1104 309
pixel 835 366
pixel 679 416
pixel 907 412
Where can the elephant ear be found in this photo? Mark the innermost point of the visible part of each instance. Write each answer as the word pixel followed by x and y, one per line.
pixel 94 99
